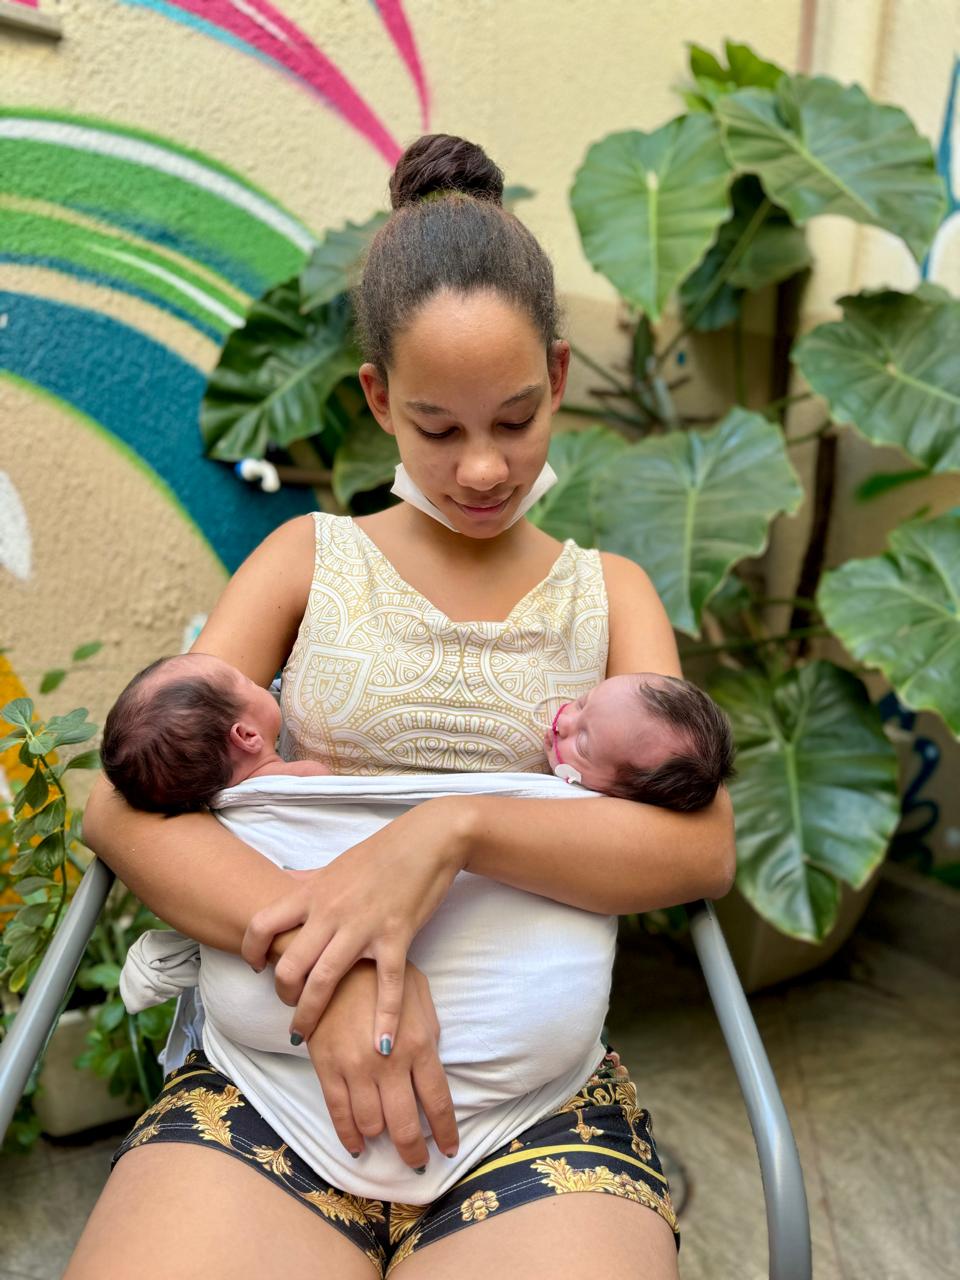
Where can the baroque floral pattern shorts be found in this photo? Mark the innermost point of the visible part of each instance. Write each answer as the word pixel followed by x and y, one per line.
pixel 600 1140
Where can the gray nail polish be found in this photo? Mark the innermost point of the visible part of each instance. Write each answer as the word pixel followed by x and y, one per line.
pixel 386 1044
pixel 422 1169
pixel 296 1038
pixel 355 1154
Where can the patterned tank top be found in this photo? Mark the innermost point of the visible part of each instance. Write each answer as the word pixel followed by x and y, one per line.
pixel 381 681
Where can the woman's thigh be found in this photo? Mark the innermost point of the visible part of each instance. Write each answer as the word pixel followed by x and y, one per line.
pixel 588 1236
pixel 178 1210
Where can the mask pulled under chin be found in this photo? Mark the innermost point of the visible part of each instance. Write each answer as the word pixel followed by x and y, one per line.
pixel 405 488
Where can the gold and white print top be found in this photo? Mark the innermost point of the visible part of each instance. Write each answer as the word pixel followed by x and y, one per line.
pixel 382 681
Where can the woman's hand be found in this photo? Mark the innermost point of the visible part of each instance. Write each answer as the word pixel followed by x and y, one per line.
pixel 366 1092
pixel 370 902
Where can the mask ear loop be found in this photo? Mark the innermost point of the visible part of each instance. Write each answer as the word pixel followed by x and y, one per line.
pixel 568 773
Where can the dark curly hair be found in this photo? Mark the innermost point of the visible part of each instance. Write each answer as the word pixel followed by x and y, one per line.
pixel 688 779
pixel 165 748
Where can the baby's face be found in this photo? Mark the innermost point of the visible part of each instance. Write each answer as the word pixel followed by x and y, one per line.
pixel 604 730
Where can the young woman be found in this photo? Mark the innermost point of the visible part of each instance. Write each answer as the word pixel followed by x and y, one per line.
pixel 422 638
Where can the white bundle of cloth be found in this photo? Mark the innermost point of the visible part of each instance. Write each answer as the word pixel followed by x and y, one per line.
pixel 520 983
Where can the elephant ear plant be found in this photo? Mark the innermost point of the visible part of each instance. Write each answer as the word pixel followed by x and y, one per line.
pixel 705 209
pixel 41 863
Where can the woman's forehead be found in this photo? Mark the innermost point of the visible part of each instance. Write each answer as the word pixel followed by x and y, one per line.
pixel 456 339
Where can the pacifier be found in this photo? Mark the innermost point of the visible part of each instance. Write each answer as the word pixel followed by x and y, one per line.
pixel 567 772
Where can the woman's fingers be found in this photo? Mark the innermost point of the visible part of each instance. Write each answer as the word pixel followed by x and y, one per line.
pixel 430 1083
pixel 366 1106
pixel 403 1119
pixel 312 994
pixel 285 913
pixel 337 1097
pixel 391 967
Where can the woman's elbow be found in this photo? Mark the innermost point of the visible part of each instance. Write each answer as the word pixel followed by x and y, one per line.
pixel 722 869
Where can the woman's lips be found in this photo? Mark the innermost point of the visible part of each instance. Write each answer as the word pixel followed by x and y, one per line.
pixel 487 510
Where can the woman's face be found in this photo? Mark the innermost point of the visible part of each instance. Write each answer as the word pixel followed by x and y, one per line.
pixel 470 398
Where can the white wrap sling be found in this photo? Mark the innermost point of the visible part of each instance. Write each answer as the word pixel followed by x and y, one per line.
pixel 520 984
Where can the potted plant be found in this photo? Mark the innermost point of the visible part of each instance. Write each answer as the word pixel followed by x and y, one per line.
pixel 41 862
pixel 709 208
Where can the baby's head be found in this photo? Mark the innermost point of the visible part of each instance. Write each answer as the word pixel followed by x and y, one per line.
pixel 184 728
pixel 644 737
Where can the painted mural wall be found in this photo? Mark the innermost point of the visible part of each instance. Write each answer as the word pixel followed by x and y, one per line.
pixel 165 161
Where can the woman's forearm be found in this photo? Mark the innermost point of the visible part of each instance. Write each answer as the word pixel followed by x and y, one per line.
pixel 189 870
pixel 602 854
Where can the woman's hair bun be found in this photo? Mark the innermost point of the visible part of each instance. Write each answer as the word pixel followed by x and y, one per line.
pixel 438 162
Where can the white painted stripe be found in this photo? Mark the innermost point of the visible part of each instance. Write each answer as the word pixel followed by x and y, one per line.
pixel 15 541
pixel 191 291
pixel 120 147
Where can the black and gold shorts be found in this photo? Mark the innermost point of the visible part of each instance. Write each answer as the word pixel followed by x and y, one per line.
pixel 599 1140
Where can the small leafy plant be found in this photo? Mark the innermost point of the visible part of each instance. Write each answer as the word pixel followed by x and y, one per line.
pixel 41 863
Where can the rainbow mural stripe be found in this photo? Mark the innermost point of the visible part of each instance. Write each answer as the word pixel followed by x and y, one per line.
pixel 262 30
pixel 129 213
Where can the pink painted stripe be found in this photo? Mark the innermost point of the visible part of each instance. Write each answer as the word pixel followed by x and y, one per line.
pixel 28 4
pixel 395 20
pixel 293 49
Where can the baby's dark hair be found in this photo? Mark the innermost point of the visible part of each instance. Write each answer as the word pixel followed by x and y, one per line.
pixel 448 230
pixel 689 779
pixel 165 749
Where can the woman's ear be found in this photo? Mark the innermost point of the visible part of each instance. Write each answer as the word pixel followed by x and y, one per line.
pixel 558 366
pixel 378 397
pixel 245 738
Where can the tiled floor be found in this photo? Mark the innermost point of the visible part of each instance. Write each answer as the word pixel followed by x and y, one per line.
pixel 866 1055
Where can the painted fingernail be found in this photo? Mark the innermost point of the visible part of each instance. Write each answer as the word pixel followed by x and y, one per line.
pixel 256 970
pixel 450 1154
pixel 386 1044
pixel 422 1169
pixel 355 1154
pixel 296 1038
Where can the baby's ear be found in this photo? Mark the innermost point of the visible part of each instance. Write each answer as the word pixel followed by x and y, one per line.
pixel 245 738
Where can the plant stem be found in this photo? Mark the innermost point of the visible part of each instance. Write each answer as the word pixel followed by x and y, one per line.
pixel 727 270
pixel 607 376
pixel 813 560
pixel 739 374
pixel 752 642
pixel 811 435
pixel 626 418
pixel 772 410
pixel 134 1037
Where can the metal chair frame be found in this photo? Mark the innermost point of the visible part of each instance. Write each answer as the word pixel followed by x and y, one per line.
pixel 788 1224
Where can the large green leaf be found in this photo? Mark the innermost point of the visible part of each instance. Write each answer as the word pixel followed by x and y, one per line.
pixel 334 265
pixel 367 459
pixel 815 796
pixel 579 458
pixel 688 505
pixel 891 367
pixel 767 248
pixel 648 205
pixel 818 147
pixel 276 375
pixel 901 612
pixel 713 80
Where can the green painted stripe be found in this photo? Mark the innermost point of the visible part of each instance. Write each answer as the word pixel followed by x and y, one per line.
pixel 42 171
pixel 157 140
pixel 29 236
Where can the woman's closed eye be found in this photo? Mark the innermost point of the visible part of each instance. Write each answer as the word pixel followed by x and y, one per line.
pixel 444 435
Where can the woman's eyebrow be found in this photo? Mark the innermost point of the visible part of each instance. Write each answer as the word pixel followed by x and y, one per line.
pixel 424 406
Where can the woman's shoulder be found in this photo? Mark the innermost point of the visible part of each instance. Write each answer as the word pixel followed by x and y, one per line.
pixel 641 635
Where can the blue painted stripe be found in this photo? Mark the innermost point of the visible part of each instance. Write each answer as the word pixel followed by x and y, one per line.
pixel 218 333
pixel 148 397
pixel 187 19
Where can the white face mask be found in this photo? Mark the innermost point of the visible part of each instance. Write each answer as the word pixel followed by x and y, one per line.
pixel 405 488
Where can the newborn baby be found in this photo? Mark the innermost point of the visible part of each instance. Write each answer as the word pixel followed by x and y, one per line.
pixel 186 727
pixel 644 737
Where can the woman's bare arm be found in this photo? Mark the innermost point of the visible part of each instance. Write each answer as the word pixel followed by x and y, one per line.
pixel 190 870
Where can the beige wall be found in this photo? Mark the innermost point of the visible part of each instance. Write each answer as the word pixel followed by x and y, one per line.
pixel 116 528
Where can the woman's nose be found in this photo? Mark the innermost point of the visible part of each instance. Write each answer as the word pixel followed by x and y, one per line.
pixel 482 469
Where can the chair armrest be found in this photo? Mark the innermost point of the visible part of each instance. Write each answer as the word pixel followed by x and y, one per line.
pixel 788 1221
pixel 37 1016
